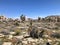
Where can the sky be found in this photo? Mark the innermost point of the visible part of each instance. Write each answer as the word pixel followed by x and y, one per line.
pixel 30 8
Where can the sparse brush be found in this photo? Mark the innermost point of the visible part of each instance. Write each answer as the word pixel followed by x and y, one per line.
pixel 59 43
pixel 16 23
pixel 17 32
pixel 55 35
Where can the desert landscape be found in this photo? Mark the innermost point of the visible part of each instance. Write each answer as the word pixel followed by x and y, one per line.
pixel 28 31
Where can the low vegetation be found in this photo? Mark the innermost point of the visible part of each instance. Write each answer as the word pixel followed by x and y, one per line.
pixel 40 31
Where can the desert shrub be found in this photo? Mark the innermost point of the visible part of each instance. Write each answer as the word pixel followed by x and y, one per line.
pixel 57 24
pixel 55 35
pixel 1 22
pixel 19 42
pixel 56 28
pixel 59 43
pixel 16 23
pixel 39 18
pixel 17 32
pixel 47 43
pixel 1 41
pixel 5 32
pixel 35 33
pixel 41 33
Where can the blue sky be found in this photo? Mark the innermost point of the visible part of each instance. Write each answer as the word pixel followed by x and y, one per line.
pixel 30 8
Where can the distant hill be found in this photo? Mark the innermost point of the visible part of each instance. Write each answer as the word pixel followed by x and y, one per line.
pixel 54 18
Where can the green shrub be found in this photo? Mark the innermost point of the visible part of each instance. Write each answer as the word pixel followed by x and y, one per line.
pixel 17 32
pixel 59 43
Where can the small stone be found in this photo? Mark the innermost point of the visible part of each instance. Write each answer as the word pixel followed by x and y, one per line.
pixel 25 42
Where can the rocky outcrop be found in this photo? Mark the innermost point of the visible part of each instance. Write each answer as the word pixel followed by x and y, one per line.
pixel 3 18
pixel 52 18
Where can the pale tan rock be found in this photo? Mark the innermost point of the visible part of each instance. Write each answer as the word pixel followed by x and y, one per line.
pixel 1 35
pixel 25 42
pixel 20 37
pixel 12 33
pixel 10 37
pixel 7 43
pixel 30 39
pixel 49 40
